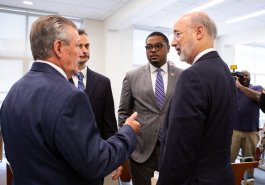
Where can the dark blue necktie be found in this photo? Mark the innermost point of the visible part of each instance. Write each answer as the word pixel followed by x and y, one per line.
pixel 159 89
pixel 80 77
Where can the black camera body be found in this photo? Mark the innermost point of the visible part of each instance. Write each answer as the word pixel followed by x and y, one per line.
pixel 239 75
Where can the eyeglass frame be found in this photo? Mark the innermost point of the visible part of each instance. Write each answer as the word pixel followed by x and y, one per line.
pixel 157 46
pixel 177 34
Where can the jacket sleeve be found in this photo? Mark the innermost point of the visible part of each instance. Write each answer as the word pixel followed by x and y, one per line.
pixel 79 142
pixel 126 102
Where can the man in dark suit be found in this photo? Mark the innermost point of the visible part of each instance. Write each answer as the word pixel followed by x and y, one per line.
pixel 48 125
pixel 98 89
pixel 199 123
pixel 140 93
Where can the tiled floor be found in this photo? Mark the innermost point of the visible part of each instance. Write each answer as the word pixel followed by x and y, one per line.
pixel 259 177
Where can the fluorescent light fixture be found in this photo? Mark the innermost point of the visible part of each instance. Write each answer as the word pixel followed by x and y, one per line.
pixel 207 5
pixel 11 9
pixel 27 2
pixel 248 16
pixel 24 10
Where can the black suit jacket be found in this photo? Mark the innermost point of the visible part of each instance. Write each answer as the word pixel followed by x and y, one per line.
pixel 50 133
pixel 199 125
pixel 99 91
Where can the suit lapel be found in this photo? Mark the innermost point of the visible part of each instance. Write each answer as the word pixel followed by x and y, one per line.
pixel 148 83
pixel 91 82
pixel 170 84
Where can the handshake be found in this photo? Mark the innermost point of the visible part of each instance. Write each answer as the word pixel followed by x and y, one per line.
pixel 131 121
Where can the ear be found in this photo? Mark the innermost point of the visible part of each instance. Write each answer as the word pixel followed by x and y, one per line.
pixel 199 32
pixel 168 48
pixel 57 47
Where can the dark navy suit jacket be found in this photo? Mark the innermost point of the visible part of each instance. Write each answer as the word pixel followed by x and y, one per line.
pixel 199 125
pixel 50 133
pixel 98 89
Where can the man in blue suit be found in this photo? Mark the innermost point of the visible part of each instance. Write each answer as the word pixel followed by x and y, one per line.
pixel 48 125
pixel 199 124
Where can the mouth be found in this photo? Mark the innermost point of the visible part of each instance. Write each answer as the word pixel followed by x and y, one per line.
pixel 178 50
pixel 154 57
pixel 83 57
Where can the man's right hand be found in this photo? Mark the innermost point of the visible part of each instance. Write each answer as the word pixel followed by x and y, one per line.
pixel 238 84
pixel 133 123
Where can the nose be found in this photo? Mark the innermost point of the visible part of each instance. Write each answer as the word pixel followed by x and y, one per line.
pixel 153 49
pixel 83 49
pixel 174 42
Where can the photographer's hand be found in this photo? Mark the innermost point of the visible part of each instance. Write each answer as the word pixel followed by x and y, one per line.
pixel 254 95
pixel 238 84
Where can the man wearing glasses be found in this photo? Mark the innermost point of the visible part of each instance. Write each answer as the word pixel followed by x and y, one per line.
pixel 148 91
pixel 200 119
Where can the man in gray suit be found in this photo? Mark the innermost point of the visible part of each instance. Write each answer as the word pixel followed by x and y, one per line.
pixel 148 91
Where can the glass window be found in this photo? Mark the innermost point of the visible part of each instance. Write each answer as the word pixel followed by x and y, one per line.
pixel 10 72
pixel 139 55
pixel 244 57
pixel 15 52
pixel 31 19
pixel 259 54
pixel 12 39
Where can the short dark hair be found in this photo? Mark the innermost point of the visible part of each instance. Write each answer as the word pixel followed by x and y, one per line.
pixel 156 33
pixel 82 32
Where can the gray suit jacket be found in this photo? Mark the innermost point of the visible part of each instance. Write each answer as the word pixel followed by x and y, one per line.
pixel 138 95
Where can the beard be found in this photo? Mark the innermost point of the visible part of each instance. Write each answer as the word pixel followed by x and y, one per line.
pixel 186 51
pixel 245 82
pixel 155 63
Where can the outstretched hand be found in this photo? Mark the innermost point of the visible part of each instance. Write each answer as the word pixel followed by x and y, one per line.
pixel 133 123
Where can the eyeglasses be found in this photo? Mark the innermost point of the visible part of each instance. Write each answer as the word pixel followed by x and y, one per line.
pixel 177 34
pixel 157 46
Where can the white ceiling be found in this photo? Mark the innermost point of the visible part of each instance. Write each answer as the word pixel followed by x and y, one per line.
pixel 119 14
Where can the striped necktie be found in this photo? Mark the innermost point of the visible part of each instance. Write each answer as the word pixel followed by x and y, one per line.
pixel 159 89
pixel 80 77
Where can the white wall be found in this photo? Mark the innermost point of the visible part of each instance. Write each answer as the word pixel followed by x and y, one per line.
pixel 95 31
pixel 111 53
pixel 119 58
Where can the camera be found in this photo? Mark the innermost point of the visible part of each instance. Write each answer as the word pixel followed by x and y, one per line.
pixel 237 74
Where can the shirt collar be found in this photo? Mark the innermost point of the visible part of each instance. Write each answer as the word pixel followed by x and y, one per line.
pixel 55 67
pixel 163 67
pixel 202 53
pixel 84 71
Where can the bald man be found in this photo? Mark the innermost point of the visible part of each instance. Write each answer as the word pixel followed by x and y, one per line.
pixel 199 124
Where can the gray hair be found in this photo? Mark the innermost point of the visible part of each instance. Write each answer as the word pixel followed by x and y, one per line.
pixel 44 31
pixel 200 18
